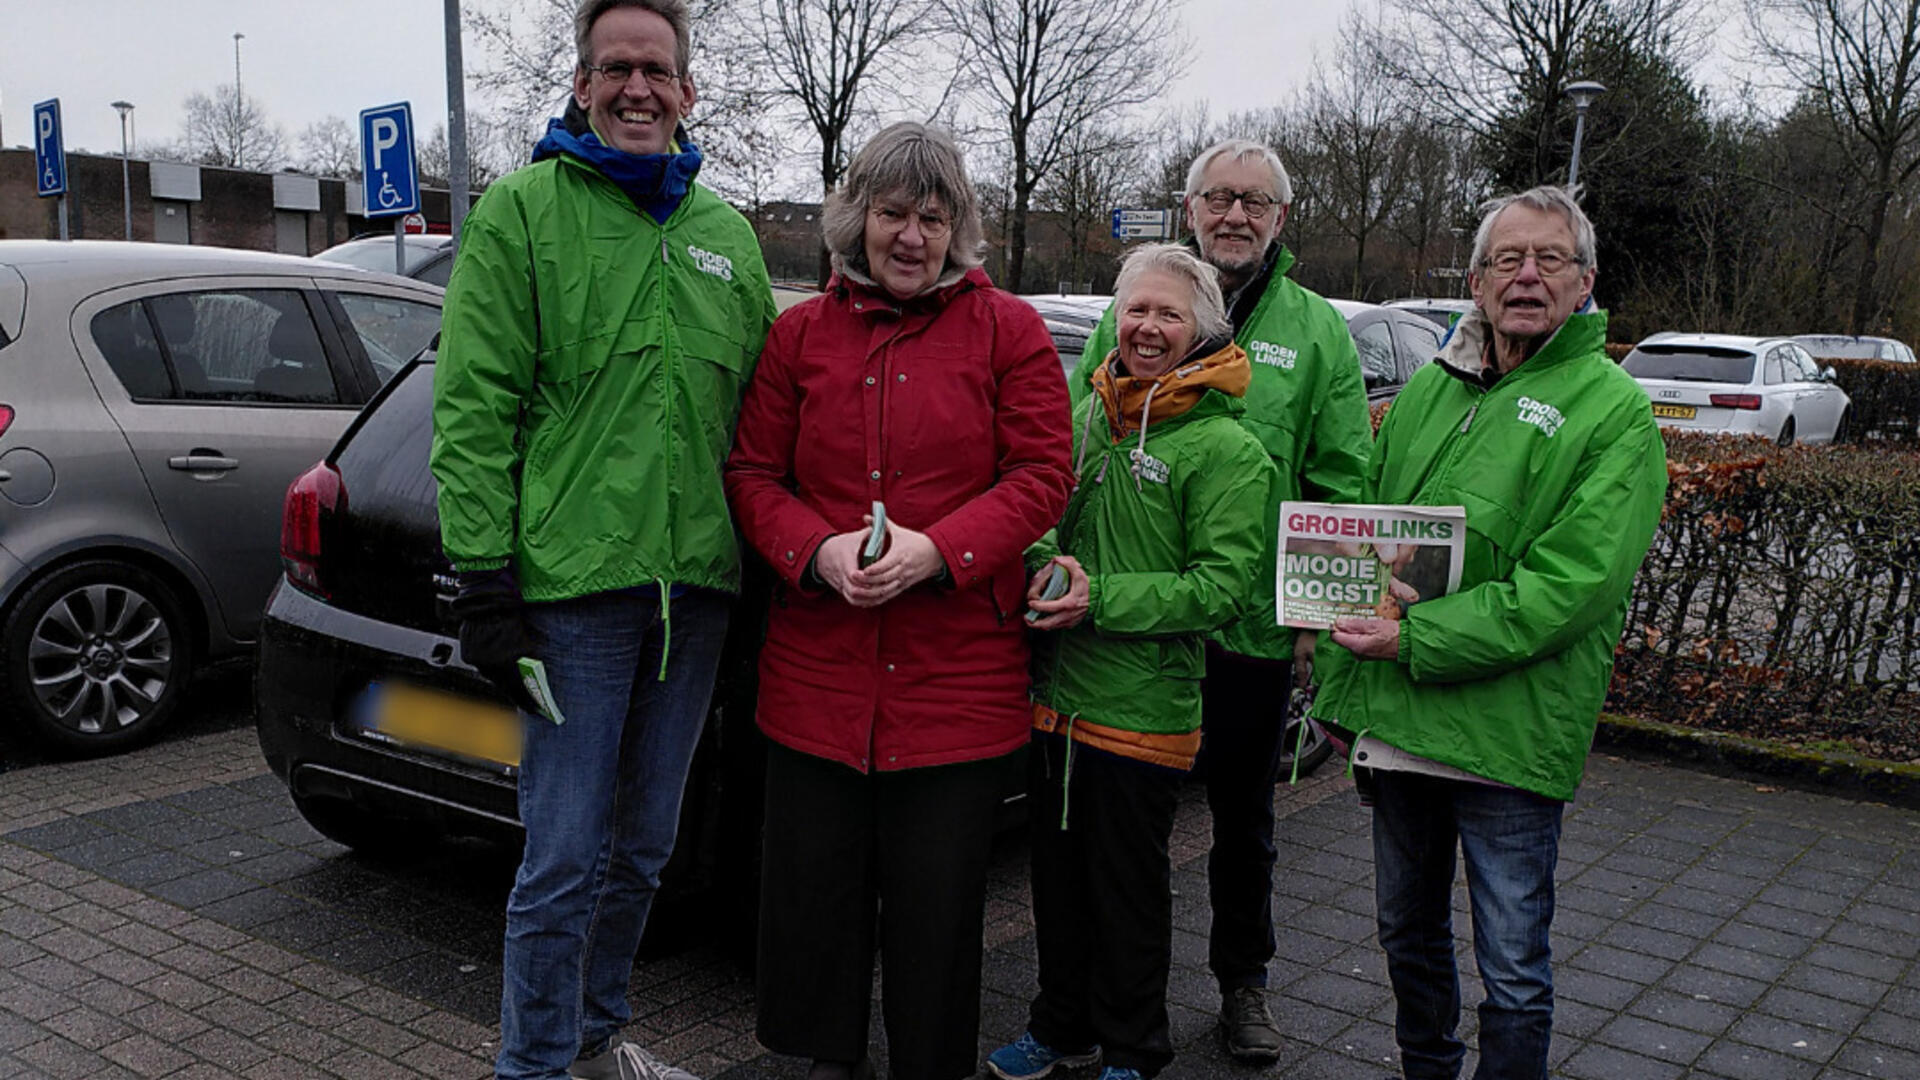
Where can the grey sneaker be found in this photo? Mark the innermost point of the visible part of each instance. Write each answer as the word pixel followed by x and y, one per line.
pixel 624 1060
pixel 1247 1025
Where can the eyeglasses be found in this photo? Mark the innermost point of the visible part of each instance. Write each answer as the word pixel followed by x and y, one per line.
pixel 620 72
pixel 1505 264
pixel 933 225
pixel 1256 204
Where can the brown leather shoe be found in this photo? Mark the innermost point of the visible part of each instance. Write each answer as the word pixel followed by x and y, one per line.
pixel 1247 1026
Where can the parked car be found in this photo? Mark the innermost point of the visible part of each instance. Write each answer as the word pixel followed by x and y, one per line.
pixel 1071 319
pixel 429 256
pixel 1850 347
pixel 155 401
pixel 1393 343
pixel 1740 385
pixel 1441 311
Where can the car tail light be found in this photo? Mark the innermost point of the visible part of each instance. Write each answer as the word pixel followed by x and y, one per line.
pixel 1735 401
pixel 6 418
pixel 315 495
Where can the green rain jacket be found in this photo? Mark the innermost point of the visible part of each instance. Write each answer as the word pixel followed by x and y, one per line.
pixel 1563 476
pixel 591 365
pixel 1169 531
pixel 1308 408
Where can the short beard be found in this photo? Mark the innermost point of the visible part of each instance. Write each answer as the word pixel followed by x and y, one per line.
pixel 1240 269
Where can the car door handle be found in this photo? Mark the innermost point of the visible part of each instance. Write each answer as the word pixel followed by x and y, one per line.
pixel 203 461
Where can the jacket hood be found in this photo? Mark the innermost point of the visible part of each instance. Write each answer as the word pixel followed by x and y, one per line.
pixel 1133 403
pixel 1464 353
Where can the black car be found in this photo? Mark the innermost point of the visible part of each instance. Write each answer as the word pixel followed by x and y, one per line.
pixel 384 738
pixel 1393 344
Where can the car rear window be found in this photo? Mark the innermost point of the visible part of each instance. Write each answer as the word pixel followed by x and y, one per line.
pixel 1690 364
pixel 13 304
pixel 1841 348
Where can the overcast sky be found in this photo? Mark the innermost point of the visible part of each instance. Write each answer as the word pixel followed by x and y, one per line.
pixel 306 60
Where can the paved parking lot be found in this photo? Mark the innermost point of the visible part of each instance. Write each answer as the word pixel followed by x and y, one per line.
pixel 166 913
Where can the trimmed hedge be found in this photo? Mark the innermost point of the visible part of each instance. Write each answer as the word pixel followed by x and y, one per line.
pixel 1781 596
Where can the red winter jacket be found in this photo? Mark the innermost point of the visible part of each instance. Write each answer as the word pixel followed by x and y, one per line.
pixel 952 410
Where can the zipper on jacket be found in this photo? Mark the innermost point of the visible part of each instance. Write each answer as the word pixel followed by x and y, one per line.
pixel 1471 413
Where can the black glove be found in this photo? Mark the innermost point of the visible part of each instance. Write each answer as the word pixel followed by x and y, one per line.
pixel 493 635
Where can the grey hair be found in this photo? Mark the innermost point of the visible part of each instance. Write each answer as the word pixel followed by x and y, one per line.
pixel 674 11
pixel 1545 198
pixel 1238 150
pixel 912 161
pixel 1174 260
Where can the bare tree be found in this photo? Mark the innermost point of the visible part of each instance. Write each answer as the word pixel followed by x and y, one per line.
pixel 231 129
pixel 823 55
pixel 1487 66
pixel 1860 61
pixel 1096 167
pixel 1356 122
pixel 329 147
pixel 1050 68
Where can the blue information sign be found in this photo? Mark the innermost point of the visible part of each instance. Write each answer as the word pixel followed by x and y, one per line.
pixel 386 161
pixel 49 150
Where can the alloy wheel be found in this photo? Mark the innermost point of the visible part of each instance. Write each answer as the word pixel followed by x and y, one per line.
pixel 100 658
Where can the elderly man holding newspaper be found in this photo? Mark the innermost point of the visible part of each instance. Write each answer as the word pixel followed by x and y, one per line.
pixel 1477 709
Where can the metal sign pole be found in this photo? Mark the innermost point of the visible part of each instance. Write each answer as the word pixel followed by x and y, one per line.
pixel 63 218
pixel 400 245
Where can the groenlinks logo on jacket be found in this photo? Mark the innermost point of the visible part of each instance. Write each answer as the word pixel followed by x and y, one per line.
pixel 1541 415
pixel 1147 467
pixel 1266 352
pixel 718 265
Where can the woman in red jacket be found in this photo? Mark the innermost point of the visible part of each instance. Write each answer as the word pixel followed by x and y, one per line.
pixel 893 694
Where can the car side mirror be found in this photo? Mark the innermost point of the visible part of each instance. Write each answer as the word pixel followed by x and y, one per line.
pixel 1829 374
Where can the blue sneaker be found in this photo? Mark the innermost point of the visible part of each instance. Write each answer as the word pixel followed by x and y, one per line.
pixel 1027 1058
pixel 1115 1072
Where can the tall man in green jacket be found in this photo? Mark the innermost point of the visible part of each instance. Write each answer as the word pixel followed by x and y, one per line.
pixel 1308 408
pixel 602 320
pixel 1476 711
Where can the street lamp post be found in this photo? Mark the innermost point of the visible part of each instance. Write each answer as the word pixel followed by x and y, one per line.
pixel 125 108
pixel 239 105
pixel 1582 93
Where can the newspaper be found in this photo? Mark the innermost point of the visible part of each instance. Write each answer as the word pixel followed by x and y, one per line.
pixel 1341 561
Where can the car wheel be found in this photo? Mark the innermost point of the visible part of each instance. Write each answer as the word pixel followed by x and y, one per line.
pixel 1786 433
pixel 366 830
pixel 96 656
pixel 1314 748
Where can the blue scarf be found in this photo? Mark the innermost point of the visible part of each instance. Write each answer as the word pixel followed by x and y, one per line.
pixel 655 182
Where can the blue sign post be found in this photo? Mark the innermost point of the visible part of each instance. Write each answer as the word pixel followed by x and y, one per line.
pixel 50 157
pixel 1142 224
pixel 387 173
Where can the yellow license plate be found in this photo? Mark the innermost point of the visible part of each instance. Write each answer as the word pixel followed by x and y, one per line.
pixel 445 724
pixel 1674 412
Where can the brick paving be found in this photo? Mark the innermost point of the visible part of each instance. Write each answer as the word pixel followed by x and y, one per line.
pixel 167 914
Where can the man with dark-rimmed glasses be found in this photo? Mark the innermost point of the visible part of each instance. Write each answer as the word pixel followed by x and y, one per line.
pixel 1308 407
pixel 603 318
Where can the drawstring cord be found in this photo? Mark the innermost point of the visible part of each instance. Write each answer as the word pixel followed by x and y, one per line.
pixel 1066 773
pixel 1354 750
pixel 1140 452
pixel 666 621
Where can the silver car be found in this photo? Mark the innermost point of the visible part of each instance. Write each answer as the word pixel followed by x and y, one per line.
pixel 155 402
pixel 1734 385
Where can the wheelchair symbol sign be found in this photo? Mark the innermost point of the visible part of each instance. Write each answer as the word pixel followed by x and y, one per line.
pixel 49 150
pixel 387 161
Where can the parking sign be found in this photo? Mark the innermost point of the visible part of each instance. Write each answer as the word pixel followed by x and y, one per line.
pixel 386 161
pixel 49 150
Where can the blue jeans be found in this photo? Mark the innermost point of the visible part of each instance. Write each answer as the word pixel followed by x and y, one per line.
pixel 1511 841
pixel 600 799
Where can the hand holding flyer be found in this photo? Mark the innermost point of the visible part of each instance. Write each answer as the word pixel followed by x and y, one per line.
pixel 1346 561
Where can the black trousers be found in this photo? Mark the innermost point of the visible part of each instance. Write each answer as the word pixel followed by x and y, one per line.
pixel 1102 903
pixel 1243 707
pixel 904 853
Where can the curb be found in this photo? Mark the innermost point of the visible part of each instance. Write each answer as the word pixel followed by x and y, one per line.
pixel 1846 775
